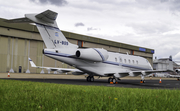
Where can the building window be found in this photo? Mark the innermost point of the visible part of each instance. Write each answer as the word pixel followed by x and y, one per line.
pixel 132 52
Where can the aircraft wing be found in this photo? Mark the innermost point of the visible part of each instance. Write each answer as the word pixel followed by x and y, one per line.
pixel 134 73
pixel 146 72
pixel 60 70
pixel 175 76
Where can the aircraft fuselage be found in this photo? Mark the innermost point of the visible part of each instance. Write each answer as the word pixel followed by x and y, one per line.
pixel 115 63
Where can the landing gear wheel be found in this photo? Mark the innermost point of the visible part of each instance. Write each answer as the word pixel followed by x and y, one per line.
pixel 177 79
pixel 114 81
pixel 90 78
pixel 142 79
pixel 110 80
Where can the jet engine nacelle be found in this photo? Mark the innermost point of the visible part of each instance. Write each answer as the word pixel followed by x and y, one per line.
pixel 177 70
pixel 92 54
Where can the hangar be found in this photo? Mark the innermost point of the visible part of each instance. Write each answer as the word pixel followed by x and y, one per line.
pixel 20 41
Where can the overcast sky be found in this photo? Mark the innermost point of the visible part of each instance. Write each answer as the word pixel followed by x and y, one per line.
pixel 147 23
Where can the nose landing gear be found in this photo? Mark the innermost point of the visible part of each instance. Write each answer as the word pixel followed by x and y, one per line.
pixel 113 80
pixel 142 79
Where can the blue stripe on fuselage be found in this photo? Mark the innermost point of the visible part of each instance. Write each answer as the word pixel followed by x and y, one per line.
pixel 100 54
pixel 58 54
pixel 125 65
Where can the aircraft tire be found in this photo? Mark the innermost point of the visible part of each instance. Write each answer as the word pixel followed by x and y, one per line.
pixel 88 79
pixel 109 80
pixel 91 79
pixel 114 81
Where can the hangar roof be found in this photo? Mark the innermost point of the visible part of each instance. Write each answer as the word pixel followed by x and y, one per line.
pixel 71 35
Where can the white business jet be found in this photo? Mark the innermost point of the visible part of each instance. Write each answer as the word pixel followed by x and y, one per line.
pixel 91 61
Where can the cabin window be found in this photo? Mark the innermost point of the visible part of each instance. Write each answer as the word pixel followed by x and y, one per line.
pixel 120 60
pixel 129 61
pixel 136 62
pixel 133 61
pixel 116 59
pixel 125 60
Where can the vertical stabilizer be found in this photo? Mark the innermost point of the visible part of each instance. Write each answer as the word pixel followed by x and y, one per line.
pixel 47 26
pixel 53 37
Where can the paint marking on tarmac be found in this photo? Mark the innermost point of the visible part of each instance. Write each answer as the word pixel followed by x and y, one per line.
pixel 110 85
pixel 167 84
pixel 156 84
pixel 177 84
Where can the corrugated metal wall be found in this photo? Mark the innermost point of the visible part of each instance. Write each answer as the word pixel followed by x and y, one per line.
pixel 14 54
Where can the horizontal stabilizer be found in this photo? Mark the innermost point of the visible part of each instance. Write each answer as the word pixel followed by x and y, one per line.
pixel 47 16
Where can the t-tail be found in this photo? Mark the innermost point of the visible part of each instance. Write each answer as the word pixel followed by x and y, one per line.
pixel 47 26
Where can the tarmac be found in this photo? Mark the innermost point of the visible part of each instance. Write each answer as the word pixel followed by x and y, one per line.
pixel 128 82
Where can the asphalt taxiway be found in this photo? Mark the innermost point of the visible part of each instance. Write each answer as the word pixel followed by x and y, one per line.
pixel 128 82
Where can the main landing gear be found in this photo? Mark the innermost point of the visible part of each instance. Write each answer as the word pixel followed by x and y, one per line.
pixel 90 78
pixel 112 80
pixel 142 79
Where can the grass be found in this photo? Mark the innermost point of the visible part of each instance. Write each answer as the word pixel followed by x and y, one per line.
pixel 24 95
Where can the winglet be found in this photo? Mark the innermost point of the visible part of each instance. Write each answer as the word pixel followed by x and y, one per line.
pixel 32 63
